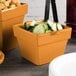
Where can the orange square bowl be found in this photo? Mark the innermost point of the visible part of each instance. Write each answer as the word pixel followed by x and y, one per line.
pixel 41 49
pixel 7 20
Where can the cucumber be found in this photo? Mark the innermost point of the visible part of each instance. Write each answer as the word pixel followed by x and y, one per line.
pixel 31 28
pixel 42 27
pixel 33 23
pixel 26 26
pixel 49 22
pixel 48 31
pixel 52 25
pixel 39 29
pixel 45 26
pixel 59 26
pixel 54 28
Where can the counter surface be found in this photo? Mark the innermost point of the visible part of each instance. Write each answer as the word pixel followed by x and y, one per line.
pixel 14 65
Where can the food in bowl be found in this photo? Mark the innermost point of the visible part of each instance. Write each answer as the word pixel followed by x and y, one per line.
pixel 40 27
pixel 7 4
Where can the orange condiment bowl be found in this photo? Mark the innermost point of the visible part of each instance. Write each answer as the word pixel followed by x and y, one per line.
pixel 2 56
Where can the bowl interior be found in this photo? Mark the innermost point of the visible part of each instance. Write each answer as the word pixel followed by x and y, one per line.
pixel 64 65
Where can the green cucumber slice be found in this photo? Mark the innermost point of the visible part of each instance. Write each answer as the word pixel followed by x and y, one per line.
pixel 59 26
pixel 50 22
pixel 39 29
pixel 26 26
pixel 48 31
pixel 30 28
pixel 45 26
pixel 33 23
pixel 54 28
pixel 52 25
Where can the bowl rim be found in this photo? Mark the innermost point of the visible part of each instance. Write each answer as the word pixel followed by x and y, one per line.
pixel 62 60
